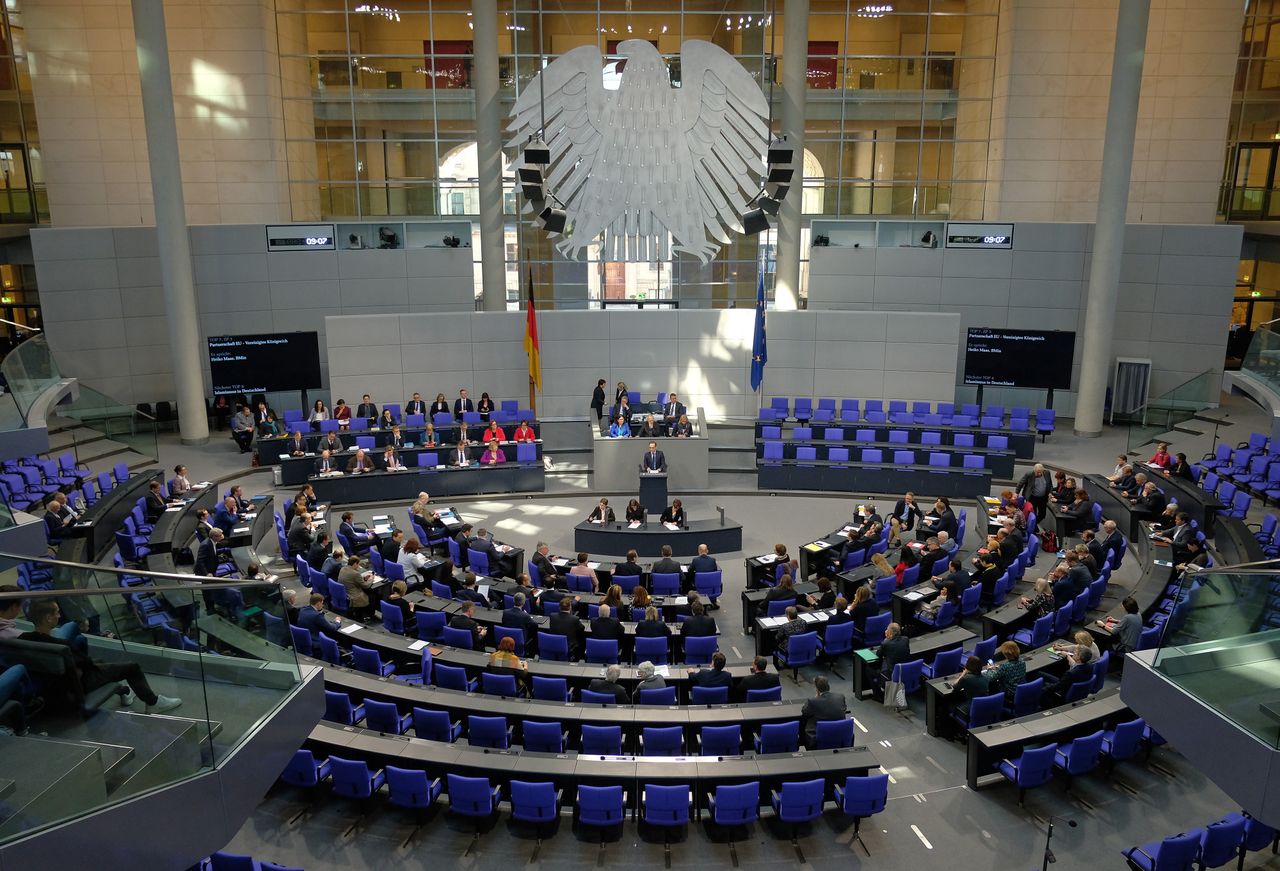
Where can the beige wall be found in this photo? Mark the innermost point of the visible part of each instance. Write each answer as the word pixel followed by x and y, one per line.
pixel 226 81
pixel 1050 107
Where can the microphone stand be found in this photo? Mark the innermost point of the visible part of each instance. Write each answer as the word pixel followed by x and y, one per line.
pixel 1049 858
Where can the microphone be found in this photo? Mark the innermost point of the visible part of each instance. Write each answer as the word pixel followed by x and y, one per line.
pixel 1049 858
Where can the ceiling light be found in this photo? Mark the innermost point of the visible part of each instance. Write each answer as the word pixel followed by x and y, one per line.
pixel 875 10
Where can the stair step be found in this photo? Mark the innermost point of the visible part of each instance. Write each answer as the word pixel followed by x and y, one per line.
pixel 1187 430
pixel 1209 418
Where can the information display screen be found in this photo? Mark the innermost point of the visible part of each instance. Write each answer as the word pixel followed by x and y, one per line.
pixel 1018 358
pixel 264 362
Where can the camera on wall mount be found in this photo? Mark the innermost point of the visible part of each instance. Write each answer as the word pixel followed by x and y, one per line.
pixel 451 241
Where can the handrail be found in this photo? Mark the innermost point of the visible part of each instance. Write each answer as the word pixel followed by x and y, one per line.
pixel 93 567
pixel 113 591
pixel 1198 375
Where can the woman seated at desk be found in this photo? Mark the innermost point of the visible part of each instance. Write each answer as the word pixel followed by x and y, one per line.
pixel 342 413
pixel 649 429
pixel 493 454
pixel 484 408
pixel 652 625
pixel 602 513
pixel 674 513
pixel 620 429
pixel 682 429
pixel 494 432
pixel 387 420
pixel 440 406
pixel 429 438
pixel 635 512
pixel 525 433
pixel 269 428
pixel 318 413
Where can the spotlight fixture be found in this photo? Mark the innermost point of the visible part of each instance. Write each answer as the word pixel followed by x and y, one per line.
pixel 531 186
pixel 754 222
pixel 821 241
pixel 929 239
pixel 780 152
pixel 770 204
pixel 553 220
pixel 537 153
pixel 451 241
pixel 780 174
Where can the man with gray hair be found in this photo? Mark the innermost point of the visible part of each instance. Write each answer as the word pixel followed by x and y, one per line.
pixel 648 679
pixel 608 685
pixel 542 562
pixel 1035 486
pixel 606 627
pixel 516 617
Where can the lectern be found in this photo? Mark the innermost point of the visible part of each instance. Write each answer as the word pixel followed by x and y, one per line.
pixel 653 492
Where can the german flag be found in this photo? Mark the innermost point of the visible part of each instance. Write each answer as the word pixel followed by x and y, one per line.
pixel 531 340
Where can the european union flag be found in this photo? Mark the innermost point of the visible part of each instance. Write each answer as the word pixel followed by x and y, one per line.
pixel 759 350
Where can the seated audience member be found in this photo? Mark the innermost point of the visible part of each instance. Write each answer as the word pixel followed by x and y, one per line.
pixel 649 679
pixel 270 428
pixel 1150 502
pixel 524 433
pixel 319 550
pixel 1080 671
pixel 429 437
pixel 333 563
pixel 699 624
pixel 703 562
pixel 91 673
pixel 357 584
pixel 582 569
pixel 1062 492
pixel 415 405
pixel 470 591
pixel 666 565
pixel 904 517
pixel 635 512
pixel 1196 556
pixel 412 559
pixel 620 429
pixel 505 656
pixel 824 706
pixel 608 685
pixel 1082 640
pixel 390 549
pixel 649 429
pixel 929 610
pixel 484 408
pixel 652 626
pixel 359 538
pixel 318 413
pixel 311 617
pixel 181 484
pixel 494 432
pixel 760 678
pixel 1135 488
pixel 1180 469
pixel 516 617
pixel 327 464
pixel 682 428
pixel 331 442
pixel 1079 513
pixel 864 606
pixel 399 589
pixel 784 590
pixel 493 455
pixel 794 626
pixel 970 685
pixel 396 441
pixel 440 406
pixel 674 513
pixel 956 579
pixel 894 649
pixel 1008 671
pixel 907 558
pixel 465 620
pixel 1118 471
pixel 713 677
pixel 386 420
pixel 460 455
pixel 607 627
pixel 940 519
pixel 1040 602
pixel 1161 457
pixel 55 521
pixel 367 409
pixel 602 513
pixel 1127 631
pixel 360 463
pixel 342 413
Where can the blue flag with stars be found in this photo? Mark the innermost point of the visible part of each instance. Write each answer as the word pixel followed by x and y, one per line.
pixel 759 349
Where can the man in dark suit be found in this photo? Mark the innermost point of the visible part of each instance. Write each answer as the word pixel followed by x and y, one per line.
pixel 1079 672
pixel 597 402
pixel 462 405
pixel 469 591
pixel 1113 540
pixel 607 627
pixel 666 565
pixel 894 649
pixel 463 538
pixel 715 676
pixel 956 581
pixel 207 555
pixel 326 464
pixel 516 617
pixel 155 504
pixel 699 623
pixel 311 618
pixel 905 514
pixel 672 411
pixel 1177 537
pixel 367 410
pixel 1096 548
pixel 319 551
pixel 460 456
pixel 825 705
pixel 225 516
pixel 933 558
pixel 465 620
pixel 542 561
pixel 759 679
pixel 703 562
pixel 500 564
pixel 1077 574
pixel 1150 504
pixel 391 547
pixel 565 622
pixel 654 459
pixel 55 522
pixel 415 405
pixel 302 533
pixel 360 540
pixel 296 446
pixel 629 569
pixel 608 685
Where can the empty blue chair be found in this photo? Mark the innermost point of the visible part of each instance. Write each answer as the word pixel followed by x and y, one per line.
pixel 771 433
pixel 662 740
pixel 897 436
pixel 652 649
pixel 830 734
pixel 931 438
pixel 1175 853
pixel 435 725
pixel 601 807
pixel 709 695
pixel 1221 842
pixel 904 458
pixel 806 456
pixel 1038 634
pixel 543 737
pixel 473 797
pixel 385 717
pixel 1123 742
pixel 849 410
pixel 338 709
pixel 368 661
pixel 708 584
pixel 874 628
pixel 945 663
pixel 431 624
pixel 551 689
pixel 499 685
pixel 804 408
pixel 412 789
pixel 666 807
pixel 802 649
pixel 836 641
pixel 778 737
pixel 490 732
pixel 553 647
pixel 800 802
pixel 802 434
pixel 1026 697
pixel 772 694
pixel 602 651
pixel 778 606
pixel 862 797
pixel 304 770
pixel 478 561
pixel 352 778
pixel 666 584
pixel 1079 756
pixel 872 455
pixel 601 740
pixel 773 453
pixel 329 651
pixel 884 588
pixel 983 711
pixel 460 638
pixel 1032 769
pixel 720 740
pixel 591 698
pixel 658 696
pixel 536 804
pixel 910 674
pixel 454 677
pixel 734 806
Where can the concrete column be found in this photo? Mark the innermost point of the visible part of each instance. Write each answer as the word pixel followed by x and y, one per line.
pixel 171 218
pixel 1113 202
pixel 484 78
pixel 795 68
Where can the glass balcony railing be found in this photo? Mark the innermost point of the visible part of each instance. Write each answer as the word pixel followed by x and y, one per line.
pixel 1221 644
pixel 221 650
pixel 1262 360
pixel 29 370
pixel 1162 413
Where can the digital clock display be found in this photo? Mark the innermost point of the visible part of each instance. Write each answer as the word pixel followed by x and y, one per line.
pixel 300 237
pixel 979 235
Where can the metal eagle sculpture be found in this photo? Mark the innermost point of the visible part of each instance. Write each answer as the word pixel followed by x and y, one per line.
pixel 648 163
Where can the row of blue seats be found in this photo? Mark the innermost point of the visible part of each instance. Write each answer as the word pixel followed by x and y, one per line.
pixel 802 434
pixel 773 456
pixel 601 807
pixel 1237 501
pixel 26 482
pixel 1213 846
pixel 896 411
pixel 542 736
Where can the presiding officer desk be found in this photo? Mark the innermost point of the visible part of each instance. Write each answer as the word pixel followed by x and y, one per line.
pixel 648 539
pixel 572 716
pixel 701 774
pixel 381 486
